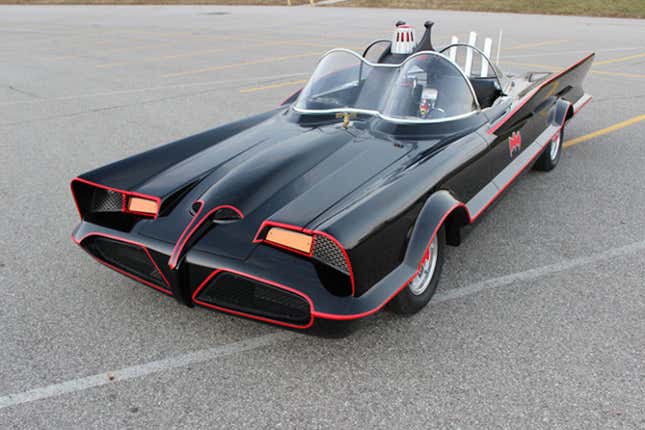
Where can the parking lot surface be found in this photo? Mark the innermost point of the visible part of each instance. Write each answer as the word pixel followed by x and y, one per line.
pixel 540 317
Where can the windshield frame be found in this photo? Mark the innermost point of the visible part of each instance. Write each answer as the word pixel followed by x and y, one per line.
pixel 393 66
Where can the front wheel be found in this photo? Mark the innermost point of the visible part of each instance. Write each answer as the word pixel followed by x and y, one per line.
pixel 416 295
pixel 551 155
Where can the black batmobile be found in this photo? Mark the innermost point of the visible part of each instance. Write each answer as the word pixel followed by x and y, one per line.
pixel 342 199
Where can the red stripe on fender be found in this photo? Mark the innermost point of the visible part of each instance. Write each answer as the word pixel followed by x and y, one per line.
pixel 247 315
pixel 398 290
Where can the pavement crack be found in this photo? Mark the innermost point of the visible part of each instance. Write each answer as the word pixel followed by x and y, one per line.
pixel 107 108
pixel 27 93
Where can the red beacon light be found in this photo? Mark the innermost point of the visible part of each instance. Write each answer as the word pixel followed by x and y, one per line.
pixel 403 40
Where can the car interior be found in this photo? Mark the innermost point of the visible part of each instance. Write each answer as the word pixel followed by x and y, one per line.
pixel 487 88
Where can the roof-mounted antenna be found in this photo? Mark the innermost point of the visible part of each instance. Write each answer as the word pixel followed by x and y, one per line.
pixel 499 46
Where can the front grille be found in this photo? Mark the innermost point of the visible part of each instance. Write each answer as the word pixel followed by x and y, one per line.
pixel 241 294
pixel 326 251
pixel 131 258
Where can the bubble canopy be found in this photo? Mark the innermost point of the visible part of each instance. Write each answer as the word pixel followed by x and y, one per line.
pixel 426 87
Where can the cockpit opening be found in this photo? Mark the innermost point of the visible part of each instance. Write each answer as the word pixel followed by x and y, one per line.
pixel 400 81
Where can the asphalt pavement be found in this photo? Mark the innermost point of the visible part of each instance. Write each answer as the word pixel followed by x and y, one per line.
pixel 540 317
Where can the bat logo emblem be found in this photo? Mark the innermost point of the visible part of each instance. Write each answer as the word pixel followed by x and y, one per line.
pixel 515 143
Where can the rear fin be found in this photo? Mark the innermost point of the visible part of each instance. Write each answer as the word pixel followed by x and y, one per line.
pixel 566 85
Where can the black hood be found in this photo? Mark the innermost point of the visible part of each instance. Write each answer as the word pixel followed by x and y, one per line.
pixel 276 170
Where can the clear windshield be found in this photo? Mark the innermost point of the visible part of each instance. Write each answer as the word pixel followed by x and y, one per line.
pixel 425 87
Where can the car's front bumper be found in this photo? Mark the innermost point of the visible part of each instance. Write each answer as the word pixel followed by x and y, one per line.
pixel 278 278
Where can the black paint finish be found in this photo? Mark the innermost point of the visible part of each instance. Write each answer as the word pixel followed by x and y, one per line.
pixel 381 190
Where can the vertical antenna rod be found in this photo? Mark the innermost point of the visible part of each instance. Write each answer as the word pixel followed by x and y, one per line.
pixel 499 46
pixel 472 39
pixel 453 50
pixel 488 47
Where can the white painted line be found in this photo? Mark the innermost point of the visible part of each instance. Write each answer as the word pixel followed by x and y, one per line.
pixel 202 356
pixel 453 50
pixel 140 370
pixel 259 79
pixel 532 274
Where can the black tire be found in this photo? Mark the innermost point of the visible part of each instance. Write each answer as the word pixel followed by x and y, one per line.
pixel 407 303
pixel 547 162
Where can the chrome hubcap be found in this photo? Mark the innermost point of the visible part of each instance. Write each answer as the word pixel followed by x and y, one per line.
pixel 421 282
pixel 555 146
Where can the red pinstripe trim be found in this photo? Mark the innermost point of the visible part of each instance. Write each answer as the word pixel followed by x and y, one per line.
pixel 183 233
pixel 531 93
pixel 518 173
pixel 124 195
pixel 186 234
pixel 582 106
pixel 123 272
pixel 314 233
pixel 405 284
pixel 247 315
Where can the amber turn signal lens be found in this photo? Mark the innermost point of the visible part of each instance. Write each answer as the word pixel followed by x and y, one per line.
pixel 290 239
pixel 140 205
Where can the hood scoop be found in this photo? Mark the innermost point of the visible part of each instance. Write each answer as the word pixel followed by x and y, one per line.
pixel 202 221
pixel 222 215
pixel 226 215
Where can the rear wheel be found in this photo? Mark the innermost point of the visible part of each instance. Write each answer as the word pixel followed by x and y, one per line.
pixel 416 295
pixel 551 155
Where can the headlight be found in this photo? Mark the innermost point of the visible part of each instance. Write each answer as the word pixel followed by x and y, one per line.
pixel 290 239
pixel 142 206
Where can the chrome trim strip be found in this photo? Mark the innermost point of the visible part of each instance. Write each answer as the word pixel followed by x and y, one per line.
pixel 482 200
pixel 384 117
pixel 581 103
